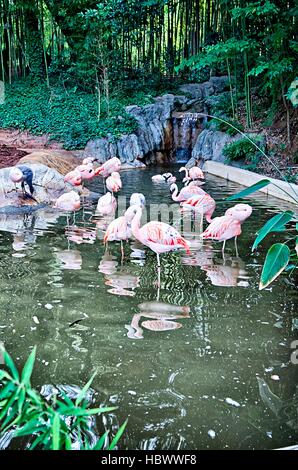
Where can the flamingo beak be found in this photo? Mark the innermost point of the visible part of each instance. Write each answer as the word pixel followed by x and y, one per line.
pixel 185 244
pixel 97 171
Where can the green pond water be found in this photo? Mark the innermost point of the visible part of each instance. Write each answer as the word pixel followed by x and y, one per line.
pixel 204 376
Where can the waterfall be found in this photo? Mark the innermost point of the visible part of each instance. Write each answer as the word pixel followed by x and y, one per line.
pixel 186 129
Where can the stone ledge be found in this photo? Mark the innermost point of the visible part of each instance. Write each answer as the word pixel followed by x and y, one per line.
pixel 248 178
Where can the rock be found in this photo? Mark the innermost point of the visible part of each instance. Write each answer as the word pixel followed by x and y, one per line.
pixel 209 146
pixel 63 164
pixel 155 126
pixel 48 184
pixel 103 149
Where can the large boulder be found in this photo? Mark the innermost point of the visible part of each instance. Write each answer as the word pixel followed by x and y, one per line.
pixel 209 146
pixel 48 183
pixel 61 161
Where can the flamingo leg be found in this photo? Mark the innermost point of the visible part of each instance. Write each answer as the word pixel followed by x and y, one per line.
pixel 158 260
pixel 158 281
pixel 223 248
pixel 122 251
pixel 236 247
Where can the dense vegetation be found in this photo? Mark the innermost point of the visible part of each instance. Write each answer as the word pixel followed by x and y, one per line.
pixel 55 423
pixel 104 54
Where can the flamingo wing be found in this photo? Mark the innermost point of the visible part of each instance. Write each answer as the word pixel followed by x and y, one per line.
pixel 159 233
pixel 222 228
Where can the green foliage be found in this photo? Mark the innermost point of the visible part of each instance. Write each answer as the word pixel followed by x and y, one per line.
pixel 292 94
pixel 275 224
pixel 218 53
pixel 250 190
pixel 67 115
pixel 276 261
pixel 54 424
pixel 241 149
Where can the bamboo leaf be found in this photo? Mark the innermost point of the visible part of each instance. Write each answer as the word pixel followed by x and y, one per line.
pixel 276 223
pixel 100 443
pixel 68 442
pixel 10 364
pixel 83 412
pixel 84 390
pixel 118 436
pixel 56 432
pixel 251 189
pixel 28 367
pixel 276 261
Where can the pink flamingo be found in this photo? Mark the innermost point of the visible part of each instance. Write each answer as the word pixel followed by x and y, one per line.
pixel 73 177
pixel 110 166
pixel 193 173
pixel 87 172
pixel 69 202
pixel 228 226
pixel 113 182
pixel 89 160
pixel 120 228
pixel 164 178
pixel 106 205
pixel 204 204
pixel 157 179
pixel 169 178
pixel 186 192
pixel 158 236
pixel 137 199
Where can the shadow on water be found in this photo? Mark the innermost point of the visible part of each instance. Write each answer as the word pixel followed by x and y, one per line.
pixel 192 364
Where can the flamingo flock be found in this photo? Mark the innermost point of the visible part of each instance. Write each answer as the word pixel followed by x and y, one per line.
pixel 160 237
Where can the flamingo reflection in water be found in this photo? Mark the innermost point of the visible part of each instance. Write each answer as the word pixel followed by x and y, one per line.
pixel 122 283
pixel 70 259
pixel 161 315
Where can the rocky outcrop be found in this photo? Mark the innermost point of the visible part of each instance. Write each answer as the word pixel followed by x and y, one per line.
pixel 48 184
pixel 57 161
pixel 209 146
pixel 153 140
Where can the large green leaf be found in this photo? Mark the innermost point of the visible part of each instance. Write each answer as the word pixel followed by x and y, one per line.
pixel 251 189
pixel 276 223
pixel 276 261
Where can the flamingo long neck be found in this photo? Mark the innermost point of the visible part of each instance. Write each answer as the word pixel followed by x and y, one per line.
pixel 136 223
pixel 175 193
pixel 186 172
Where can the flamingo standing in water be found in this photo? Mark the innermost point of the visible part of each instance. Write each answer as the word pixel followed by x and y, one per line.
pixel 228 226
pixel 114 183
pixel 158 236
pixel 69 202
pixel 204 204
pixel 120 228
pixel 192 174
pixel 110 166
pixel 169 178
pixel 164 178
pixel 106 205
pixel 186 192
